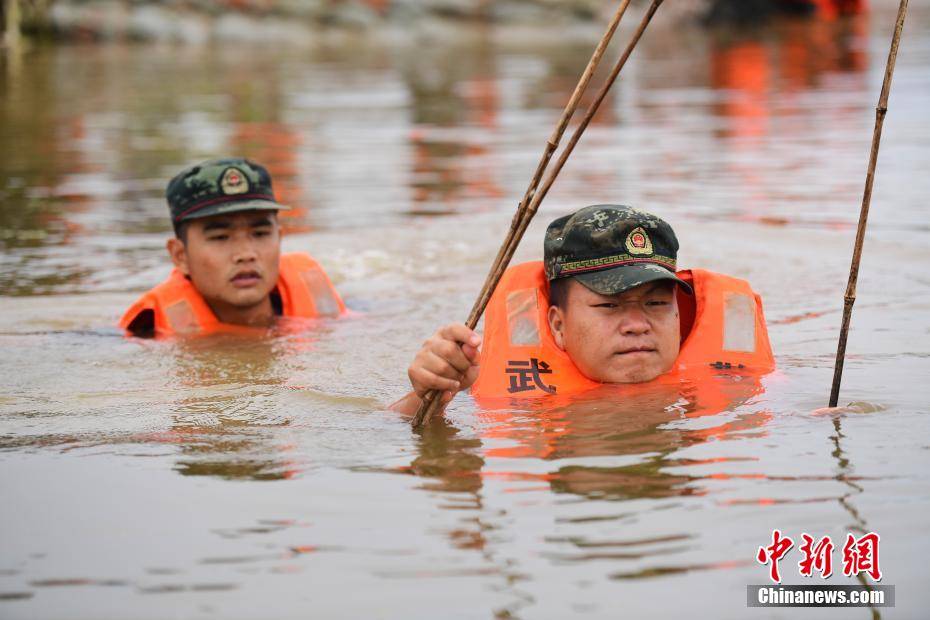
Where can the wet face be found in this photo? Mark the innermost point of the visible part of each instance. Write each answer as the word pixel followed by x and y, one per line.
pixel 232 259
pixel 627 338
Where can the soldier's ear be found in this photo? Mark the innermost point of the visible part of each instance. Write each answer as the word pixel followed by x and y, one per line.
pixel 557 326
pixel 178 252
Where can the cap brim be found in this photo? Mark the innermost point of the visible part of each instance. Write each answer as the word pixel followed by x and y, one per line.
pixel 620 279
pixel 235 207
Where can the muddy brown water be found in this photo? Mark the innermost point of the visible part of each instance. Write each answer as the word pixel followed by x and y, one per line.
pixel 263 478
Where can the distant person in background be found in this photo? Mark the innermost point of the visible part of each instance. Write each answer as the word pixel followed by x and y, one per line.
pixel 229 273
pixel 749 12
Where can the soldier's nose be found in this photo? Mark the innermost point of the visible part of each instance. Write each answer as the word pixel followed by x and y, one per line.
pixel 633 321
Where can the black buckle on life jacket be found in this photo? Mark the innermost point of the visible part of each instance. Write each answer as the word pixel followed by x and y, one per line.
pixel 722 365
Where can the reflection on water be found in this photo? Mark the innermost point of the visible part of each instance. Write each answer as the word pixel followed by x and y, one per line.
pixel 221 422
pixel 294 482
pixel 359 134
pixel 608 426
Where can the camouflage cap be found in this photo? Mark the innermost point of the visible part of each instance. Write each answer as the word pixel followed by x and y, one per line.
pixel 611 249
pixel 220 186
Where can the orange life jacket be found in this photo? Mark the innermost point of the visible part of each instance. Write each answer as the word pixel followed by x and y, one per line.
pixel 304 288
pixel 722 327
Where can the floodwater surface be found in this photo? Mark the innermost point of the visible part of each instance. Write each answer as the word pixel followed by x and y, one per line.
pixel 264 477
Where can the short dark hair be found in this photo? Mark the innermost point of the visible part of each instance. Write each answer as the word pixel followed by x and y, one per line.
pixel 558 293
pixel 180 231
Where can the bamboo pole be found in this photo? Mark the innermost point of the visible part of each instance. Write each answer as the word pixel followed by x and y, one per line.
pixel 553 142
pixel 576 136
pixel 427 407
pixel 492 278
pixel 850 297
pixel 431 403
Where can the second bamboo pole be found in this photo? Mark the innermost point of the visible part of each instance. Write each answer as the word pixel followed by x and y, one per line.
pixel 850 297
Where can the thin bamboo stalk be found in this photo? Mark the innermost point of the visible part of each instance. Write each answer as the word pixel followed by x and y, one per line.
pixel 533 197
pixel 850 297
pixel 424 413
pixel 553 142
pixel 576 136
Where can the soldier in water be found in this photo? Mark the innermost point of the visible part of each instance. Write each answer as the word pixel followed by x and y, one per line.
pixel 606 306
pixel 229 273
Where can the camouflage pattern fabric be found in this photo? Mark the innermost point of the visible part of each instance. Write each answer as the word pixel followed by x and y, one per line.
pixel 611 249
pixel 220 186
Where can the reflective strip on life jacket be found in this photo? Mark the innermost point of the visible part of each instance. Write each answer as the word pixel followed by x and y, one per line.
pixel 178 308
pixel 728 326
pixel 722 326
